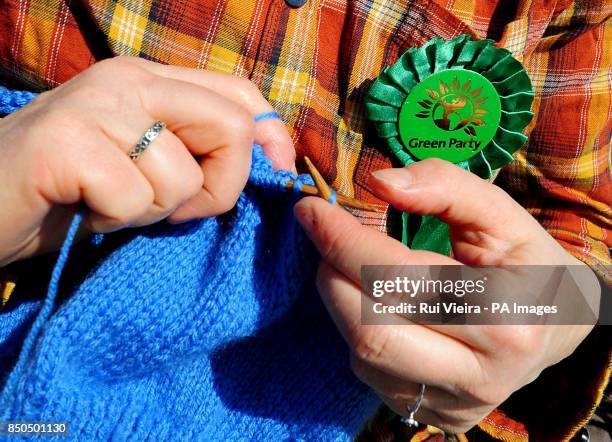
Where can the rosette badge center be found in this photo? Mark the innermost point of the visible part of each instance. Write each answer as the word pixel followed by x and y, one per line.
pixel 452 115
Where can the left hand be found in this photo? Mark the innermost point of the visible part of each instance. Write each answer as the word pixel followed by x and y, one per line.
pixel 468 369
pixel 71 145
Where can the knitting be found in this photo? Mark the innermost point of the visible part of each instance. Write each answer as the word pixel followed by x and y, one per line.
pixel 209 330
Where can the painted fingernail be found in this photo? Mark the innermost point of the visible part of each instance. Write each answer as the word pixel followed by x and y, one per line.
pixel 399 178
pixel 304 215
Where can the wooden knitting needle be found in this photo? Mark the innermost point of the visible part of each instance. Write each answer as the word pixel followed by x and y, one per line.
pixel 318 179
pixel 342 200
pixel 324 191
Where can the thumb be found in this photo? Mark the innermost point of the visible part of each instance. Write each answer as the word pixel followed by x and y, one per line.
pixel 347 245
pixel 454 195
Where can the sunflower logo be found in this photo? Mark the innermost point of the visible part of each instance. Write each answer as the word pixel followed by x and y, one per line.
pixel 454 107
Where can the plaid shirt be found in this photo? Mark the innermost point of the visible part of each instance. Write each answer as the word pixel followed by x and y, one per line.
pixel 315 64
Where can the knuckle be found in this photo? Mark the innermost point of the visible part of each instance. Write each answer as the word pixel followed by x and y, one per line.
pixel 436 163
pixel 109 64
pixel 520 341
pixel 124 216
pixel 118 67
pixel 488 394
pixel 395 395
pixel 133 209
pixel 110 84
pixel 104 68
pixel 241 125
pixel 371 344
pixel 123 208
pixel 194 180
pixel 146 200
pixel 100 96
pixel 227 204
pixel 184 185
pixel 128 60
pixel 220 205
pixel 144 80
pixel 495 396
pixel 446 173
pixel 247 89
pixel 528 341
pixel 441 167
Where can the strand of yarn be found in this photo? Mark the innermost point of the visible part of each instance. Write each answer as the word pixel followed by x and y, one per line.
pixel 333 197
pixel 267 116
pixel 44 313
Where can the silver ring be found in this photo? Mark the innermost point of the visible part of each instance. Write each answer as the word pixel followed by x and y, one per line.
pixel 412 409
pixel 150 135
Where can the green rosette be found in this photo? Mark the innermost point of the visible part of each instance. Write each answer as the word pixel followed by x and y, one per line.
pixel 457 109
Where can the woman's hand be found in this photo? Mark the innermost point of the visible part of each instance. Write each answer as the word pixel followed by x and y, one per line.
pixel 72 144
pixel 469 370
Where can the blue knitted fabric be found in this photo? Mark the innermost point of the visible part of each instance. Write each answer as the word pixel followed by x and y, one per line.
pixel 210 330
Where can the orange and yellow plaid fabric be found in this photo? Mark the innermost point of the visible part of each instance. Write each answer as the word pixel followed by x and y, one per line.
pixel 315 64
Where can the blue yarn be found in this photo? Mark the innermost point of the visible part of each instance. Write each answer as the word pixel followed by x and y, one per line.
pixel 267 116
pixel 297 187
pixel 299 181
pixel 11 100
pixel 210 330
pixel 45 311
pixel 333 197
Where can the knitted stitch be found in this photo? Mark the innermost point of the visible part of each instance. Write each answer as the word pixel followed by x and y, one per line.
pixel 10 100
pixel 209 330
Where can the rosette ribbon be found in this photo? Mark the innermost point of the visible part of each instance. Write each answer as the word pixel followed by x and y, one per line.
pixel 389 92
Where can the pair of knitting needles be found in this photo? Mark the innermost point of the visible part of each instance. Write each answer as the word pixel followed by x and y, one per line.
pixel 323 190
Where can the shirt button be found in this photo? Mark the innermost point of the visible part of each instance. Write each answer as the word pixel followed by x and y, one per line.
pixel 296 3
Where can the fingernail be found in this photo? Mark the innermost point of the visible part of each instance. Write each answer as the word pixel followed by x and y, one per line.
pixel 304 215
pixel 399 178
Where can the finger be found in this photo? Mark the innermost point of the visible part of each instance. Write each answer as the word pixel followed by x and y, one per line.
pixel 385 384
pixel 347 245
pixel 404 391
pixel 173 173
pixel 450 422
pixel 271 134
pixel 399 347
pixel 107 181
pixel 456 196
pixel 220 131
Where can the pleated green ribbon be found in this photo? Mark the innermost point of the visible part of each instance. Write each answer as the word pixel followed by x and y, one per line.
pixel 391 89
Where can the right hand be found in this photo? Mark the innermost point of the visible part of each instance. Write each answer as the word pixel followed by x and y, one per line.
pixel 71 144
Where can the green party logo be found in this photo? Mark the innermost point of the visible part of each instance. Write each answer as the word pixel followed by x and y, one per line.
pixel 452 114
pixel 454 107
